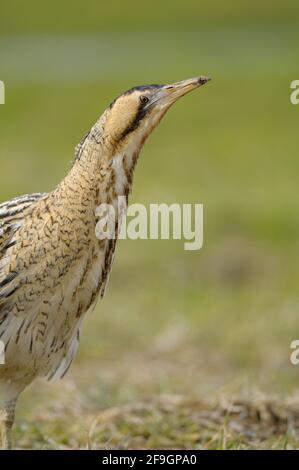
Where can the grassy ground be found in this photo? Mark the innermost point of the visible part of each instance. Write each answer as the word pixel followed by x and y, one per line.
pixel 121 413
pixel 188 349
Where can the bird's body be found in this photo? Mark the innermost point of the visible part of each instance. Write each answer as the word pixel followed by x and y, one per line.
pixel 52 265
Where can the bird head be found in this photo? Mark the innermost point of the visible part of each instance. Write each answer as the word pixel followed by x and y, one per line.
pixel 135 113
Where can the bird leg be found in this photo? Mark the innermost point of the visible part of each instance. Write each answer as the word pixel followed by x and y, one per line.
pixel 7 417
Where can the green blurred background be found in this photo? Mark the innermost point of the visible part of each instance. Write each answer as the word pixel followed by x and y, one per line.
pixel 173 321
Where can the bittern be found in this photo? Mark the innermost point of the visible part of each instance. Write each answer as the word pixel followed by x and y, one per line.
pixel 52 265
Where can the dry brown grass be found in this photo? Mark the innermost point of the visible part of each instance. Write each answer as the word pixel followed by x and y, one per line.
pixel 170 422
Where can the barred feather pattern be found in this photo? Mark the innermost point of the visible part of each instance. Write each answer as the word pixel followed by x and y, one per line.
pixel 49 276
pixel 52 266
pixel 38 305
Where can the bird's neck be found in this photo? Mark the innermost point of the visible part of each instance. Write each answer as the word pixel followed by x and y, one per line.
pixel 100 174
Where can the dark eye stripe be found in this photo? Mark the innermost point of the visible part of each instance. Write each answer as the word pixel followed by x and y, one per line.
pixel 141 112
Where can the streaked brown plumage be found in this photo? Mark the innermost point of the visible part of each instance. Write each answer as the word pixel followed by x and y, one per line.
pixel 52 266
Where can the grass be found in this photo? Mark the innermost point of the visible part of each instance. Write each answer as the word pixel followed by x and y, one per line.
pixel 74 419
pixel 188 349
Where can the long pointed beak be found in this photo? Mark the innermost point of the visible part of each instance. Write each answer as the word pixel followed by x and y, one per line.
pixel 171 93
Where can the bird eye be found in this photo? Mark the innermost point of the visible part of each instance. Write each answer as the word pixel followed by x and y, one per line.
pixel 144 99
